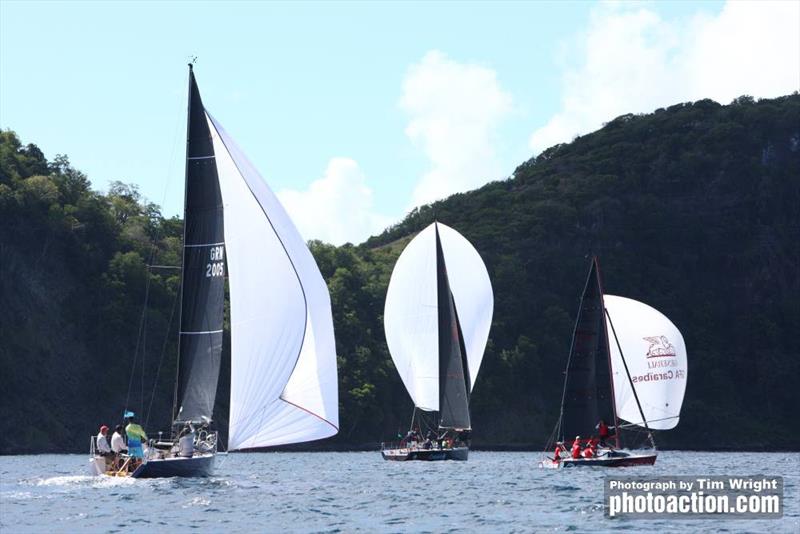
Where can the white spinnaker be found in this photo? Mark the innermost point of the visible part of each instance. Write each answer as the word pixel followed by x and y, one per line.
pixel 411 310
pixel 410 320
pixel 656 356
pixel 283 354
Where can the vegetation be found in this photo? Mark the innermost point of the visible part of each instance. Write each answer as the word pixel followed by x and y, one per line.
pixel 693 209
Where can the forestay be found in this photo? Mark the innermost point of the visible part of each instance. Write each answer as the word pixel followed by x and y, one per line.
pixel 283 354
pixel 411 311
pixel 656 356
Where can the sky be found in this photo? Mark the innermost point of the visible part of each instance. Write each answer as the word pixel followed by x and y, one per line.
pixel 357 112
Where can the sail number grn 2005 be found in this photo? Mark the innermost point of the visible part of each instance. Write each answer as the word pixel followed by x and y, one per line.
pixel 216 266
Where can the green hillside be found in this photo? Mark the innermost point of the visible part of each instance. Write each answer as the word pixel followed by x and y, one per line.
pixel 694 209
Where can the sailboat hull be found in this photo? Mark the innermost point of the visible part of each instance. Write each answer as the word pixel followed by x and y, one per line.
pixel 196 466
pixel 627 460
pixel 426 455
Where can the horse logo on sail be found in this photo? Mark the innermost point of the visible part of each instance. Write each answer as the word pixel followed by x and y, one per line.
pixel 659 347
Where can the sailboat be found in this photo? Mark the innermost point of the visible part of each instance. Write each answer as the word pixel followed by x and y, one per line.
pixel 437 317
pixel 283 361
pixel 627 365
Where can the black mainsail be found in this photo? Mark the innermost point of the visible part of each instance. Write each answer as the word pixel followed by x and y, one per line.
pixel 203 287
pixel 588 391
pixel 453 368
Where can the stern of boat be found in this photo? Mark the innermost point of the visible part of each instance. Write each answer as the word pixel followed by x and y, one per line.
pixel 97 464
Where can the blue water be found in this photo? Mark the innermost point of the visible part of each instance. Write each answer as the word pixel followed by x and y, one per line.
pixel 359 492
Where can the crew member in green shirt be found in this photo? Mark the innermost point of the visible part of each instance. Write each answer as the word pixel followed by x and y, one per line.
pixel 136 436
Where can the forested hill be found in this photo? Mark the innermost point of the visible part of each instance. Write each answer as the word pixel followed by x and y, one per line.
pixel 694 209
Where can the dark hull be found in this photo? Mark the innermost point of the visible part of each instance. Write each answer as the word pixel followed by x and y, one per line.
pixel 425 455
pixel 622 461
pixel 197 466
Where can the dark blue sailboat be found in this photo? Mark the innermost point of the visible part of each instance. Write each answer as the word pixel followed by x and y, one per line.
pixel 283 360
pixel 437 318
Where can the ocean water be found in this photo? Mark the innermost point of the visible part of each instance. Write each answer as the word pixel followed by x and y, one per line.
pixel 360 492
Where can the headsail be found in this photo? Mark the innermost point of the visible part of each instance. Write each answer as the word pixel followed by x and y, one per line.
pixel 203 287
pixel 283 366
pixel 656 356
pixel 283 355
pixel 411 315
pixel 587 388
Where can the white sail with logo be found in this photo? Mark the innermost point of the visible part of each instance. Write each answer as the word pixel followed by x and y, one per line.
pixel 656 358
pixel 283 354
pixel 411 311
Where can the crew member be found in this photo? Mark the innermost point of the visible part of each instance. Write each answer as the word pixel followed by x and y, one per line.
pixel 136 436
pixel 576 448
pixel 602 432
pixel 117 441
pixel 118 446
pixel 588 452
pixel 557 453
pixel 102 443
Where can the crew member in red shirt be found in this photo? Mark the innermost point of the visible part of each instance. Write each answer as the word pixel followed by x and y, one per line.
pixel 576 448
pixel 602 432
pixel 557 453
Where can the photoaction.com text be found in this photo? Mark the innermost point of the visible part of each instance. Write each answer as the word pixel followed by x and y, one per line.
pixel 695 497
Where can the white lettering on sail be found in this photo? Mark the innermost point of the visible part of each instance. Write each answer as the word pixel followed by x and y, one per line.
pixel 216 267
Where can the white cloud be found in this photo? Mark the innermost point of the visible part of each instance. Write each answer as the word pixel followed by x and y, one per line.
pixel 336 208
pixel 454 109
pixel 634 61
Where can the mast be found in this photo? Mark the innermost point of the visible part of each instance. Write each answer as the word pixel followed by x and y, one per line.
pixel 608 351
pixel 185 191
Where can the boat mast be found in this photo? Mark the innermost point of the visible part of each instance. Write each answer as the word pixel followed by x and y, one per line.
pixel 608 351
pixel 183 267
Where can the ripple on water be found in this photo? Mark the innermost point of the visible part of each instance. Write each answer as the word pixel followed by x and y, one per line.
pixel 198 501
